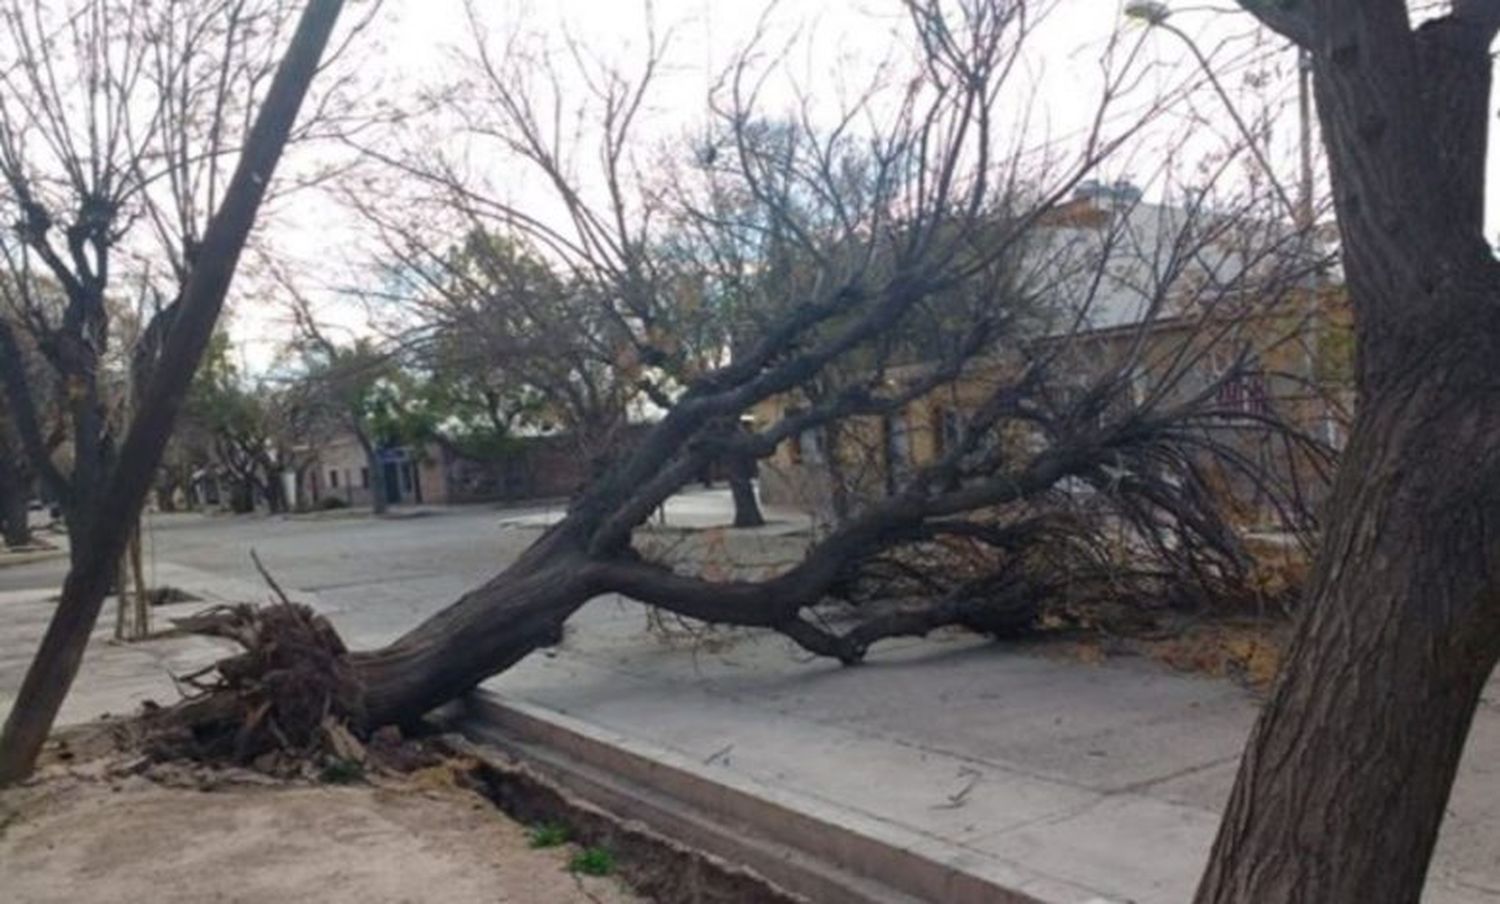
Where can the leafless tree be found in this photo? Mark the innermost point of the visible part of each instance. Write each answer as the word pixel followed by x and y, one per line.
pixel 98 104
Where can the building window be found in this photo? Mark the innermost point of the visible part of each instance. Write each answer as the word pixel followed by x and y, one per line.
pixel 898 441
pixel 947 430
pixel 897 451
pixel 364 478
pixel 805 447
pixel 811 442
pixel 333 479
pixel 1245 393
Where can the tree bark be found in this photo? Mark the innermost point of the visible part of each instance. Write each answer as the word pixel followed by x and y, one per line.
pixel 379 498
pixel 1347 774
pixel 1368 722
pixel 140 603
pixel 14 513
pixel 99 545
pixel 487 631
pixel 742 488
pixel 15 488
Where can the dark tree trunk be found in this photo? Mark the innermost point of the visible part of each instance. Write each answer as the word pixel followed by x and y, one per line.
pixel 101 517
pixel 14 513
pixel 276 493
pixel 1402 628
pixel 742 488
pixel 1344 783
pixel 15 490
pixel 379 489
pixel 242 500
pixel 487 631
pixel 166 495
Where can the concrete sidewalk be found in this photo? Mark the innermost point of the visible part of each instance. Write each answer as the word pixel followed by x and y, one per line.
pixel 1075 781
pixel 116 678
pixel 690 510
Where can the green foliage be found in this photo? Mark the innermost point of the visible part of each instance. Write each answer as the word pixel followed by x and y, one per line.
pixel 217 399
pixel 593 861
pixel 548 835
pixel 398 403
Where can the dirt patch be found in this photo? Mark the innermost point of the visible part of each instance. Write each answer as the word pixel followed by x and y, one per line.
pixel 84 836
pixel 662 869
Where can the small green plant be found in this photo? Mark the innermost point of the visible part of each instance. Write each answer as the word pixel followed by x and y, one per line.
pixel 549 834
pixel 594 861
pixel 342 772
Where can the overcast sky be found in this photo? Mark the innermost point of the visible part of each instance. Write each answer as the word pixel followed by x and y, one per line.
pixel 415 43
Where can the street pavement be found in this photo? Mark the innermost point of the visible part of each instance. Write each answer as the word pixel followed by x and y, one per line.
pixel 1102 780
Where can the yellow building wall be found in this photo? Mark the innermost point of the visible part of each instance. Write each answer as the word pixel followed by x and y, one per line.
pixel 1302 347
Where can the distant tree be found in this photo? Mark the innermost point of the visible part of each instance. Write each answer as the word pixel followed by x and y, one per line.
pixel 509 338
pixel 359 388
pixel 235 424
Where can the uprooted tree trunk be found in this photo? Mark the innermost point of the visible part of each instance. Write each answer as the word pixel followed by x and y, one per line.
pixel 121 493
pixel 1346 778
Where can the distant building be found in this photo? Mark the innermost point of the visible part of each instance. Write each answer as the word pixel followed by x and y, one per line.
pixel 532 467
pixel 339 469
pixel 1297 365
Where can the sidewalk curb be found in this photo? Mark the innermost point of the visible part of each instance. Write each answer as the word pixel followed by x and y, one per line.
pixel 908 863
pixel 13 560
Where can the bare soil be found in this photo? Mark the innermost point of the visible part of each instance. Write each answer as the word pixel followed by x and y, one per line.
pixel 82 836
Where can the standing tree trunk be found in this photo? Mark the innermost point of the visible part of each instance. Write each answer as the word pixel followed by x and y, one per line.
pixel 379 498
pixel 1343 786
pixel 742 488
pixel 1367 724
pixel 101 540
pixel 133 602
pixel 140 603
pixel 14 510
pixel 15 490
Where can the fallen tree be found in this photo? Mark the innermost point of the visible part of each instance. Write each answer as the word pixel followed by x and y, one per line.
pixel 915 262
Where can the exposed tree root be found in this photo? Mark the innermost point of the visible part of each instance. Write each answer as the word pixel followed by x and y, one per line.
pixel 290 696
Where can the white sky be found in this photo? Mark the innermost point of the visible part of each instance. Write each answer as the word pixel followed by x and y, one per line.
pixel 414 42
